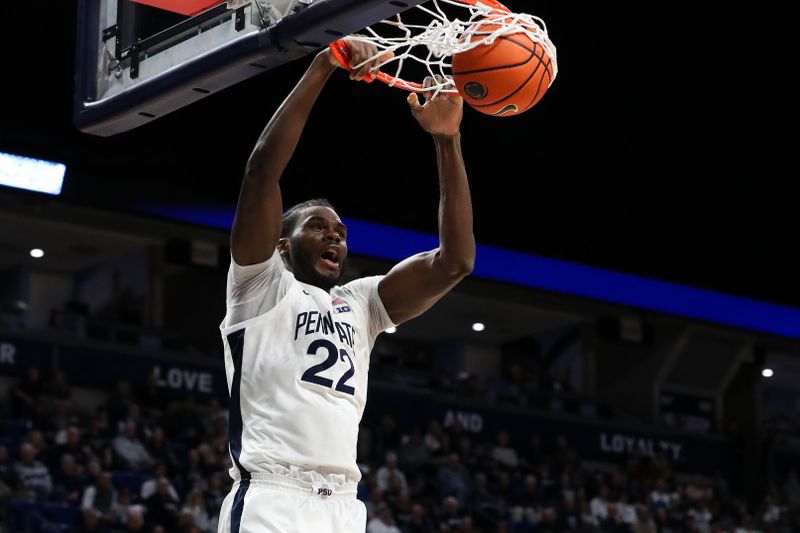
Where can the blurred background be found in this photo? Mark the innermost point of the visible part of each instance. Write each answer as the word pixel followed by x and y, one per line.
pixel 624 358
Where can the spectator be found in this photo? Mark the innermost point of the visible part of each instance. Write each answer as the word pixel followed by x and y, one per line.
pixel 195 507
pixel 135 521
pixel 214 494
pixel 57 387
pixel 25 394
pixel 118 402
pixel 388 470
pixel 453 479
pixel 413 452
pixel 72 444
pixel 160 449
pixel 503 453
pixel 101 496
pixel 120 510
pixel 33 476
pixel 599 504
pixel 151 397
pixel 130 451
pixel 150 486
pixel 383 521
pixel 68 480
pixel 450 516
pixel 419 521
pixel 162 508
pixel 644 521
pixel 484 500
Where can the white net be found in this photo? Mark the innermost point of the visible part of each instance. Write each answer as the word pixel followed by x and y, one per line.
pixel 433 44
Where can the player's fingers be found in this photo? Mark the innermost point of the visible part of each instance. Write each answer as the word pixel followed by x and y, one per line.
pixel 413 102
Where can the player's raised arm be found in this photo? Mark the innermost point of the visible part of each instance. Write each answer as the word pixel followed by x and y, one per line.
pixel 257 224
pixel 415 284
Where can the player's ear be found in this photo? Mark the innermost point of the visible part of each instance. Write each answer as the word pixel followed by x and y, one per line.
pixel 283 246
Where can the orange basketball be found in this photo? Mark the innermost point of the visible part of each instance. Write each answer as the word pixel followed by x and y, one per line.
pixel 504 78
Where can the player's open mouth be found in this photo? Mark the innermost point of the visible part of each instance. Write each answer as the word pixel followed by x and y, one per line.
pixel 330 258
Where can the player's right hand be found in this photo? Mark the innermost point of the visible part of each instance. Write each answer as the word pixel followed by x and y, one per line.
pixel 360 52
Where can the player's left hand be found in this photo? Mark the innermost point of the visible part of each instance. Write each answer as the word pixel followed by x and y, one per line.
pixel 439 115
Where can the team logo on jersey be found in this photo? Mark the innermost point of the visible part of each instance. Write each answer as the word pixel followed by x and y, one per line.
pixel 340 306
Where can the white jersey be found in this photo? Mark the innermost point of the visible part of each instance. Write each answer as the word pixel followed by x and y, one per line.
pixel 296 359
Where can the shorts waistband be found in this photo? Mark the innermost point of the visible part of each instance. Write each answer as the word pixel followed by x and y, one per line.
pixel 323 489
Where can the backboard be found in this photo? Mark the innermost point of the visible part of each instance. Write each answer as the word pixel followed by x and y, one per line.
pixel 139 60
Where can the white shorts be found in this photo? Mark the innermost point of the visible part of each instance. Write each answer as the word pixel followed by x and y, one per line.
pixel 271 503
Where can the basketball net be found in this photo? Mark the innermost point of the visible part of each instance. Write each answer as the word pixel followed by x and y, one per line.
pixel 433 44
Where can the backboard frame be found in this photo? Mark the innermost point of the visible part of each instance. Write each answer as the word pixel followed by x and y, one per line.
pixel 143 90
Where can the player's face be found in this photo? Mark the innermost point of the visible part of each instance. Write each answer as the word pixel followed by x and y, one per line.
pixel 318 248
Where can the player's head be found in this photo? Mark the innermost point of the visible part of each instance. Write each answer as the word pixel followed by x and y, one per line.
pixel 313 243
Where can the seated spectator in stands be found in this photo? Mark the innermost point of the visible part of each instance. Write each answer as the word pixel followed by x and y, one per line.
pixel 119 511
pixel 150 486
pixel 184 420
pixel 626 510
pixel 118 402
pixel 503 487
pixel 434 438
pixel 195 507
pixel 68 480
pixel 99 439
pixel 130 451
pixel 613 523
pixel 484 500
pixel 549 522
pixel 660 496
pixel 101 498
pixel 135 521
pixel 144 425
pixel 160 449
pixel 453 479
pixel 383 521
pixel 599 504
pixel 26 393
pixel 589 521
pixel 90 523
pixel 503 453
pixel 215 492
pixel 702 515
pixel 388 470
pixel 70 442
pixel 450 514
pixel 151 397
pixel 162 507
pixel 32 476
pixel 565 455
pixel 57 387
pixel 214 412
pixel 529 497
pixel 644 521
pixel 418 521
pixel 413 452
pixel 569 518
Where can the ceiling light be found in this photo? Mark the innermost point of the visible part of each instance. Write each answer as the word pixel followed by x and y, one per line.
pixel 37 253
pixel 478 326
pixel 767 372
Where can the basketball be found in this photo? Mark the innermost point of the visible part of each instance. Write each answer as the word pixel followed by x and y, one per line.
pixel 504 78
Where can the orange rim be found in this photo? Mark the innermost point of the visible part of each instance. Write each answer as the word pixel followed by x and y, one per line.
pixel 341 51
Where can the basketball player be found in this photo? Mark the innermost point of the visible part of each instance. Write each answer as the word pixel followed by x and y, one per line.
pixel 297 344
